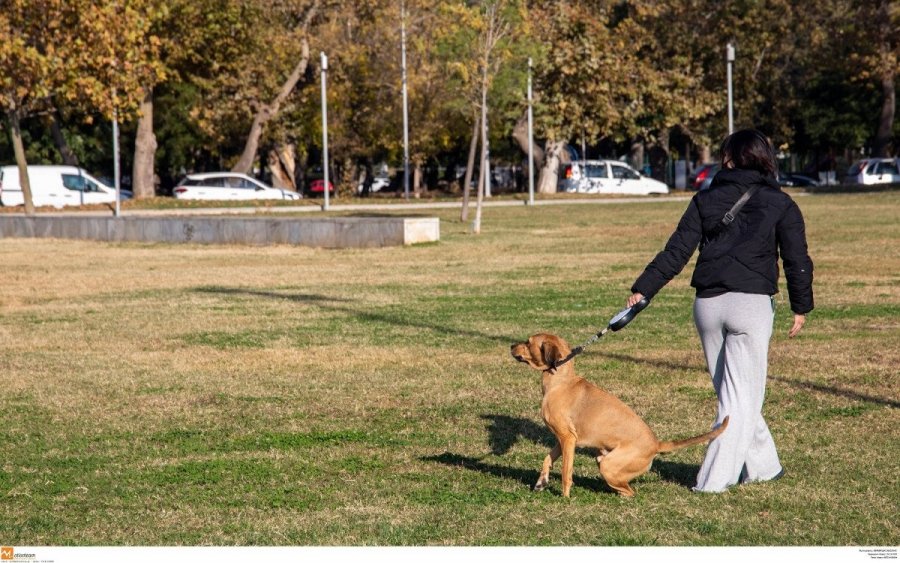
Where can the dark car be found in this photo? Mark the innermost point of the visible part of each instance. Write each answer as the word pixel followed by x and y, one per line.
pixel 791 180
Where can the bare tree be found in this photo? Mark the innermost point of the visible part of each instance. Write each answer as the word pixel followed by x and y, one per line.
pixel 496 28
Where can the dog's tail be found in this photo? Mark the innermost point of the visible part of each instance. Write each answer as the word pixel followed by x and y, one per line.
pixel 670 446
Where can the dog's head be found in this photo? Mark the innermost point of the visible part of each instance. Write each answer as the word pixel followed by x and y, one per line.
pixel 541 351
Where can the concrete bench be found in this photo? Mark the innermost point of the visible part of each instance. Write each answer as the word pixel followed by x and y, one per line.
pixel 324 232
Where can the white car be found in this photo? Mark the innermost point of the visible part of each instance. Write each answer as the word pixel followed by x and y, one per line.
pixel 607 177
pixel 379 183
pixel 228 185
pixel 874 171
pixel 57 186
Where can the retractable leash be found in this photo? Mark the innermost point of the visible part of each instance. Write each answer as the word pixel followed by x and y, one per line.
pixel 616 323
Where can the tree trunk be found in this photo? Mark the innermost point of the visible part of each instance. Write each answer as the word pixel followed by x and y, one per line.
pixel 19 150
pixel 268 111
pixel 484 186
pixel 888 108
pixel 366 176
pixel 470 166
pixel 479 191
pixel 65 151
pixel 283 165
pixel 142 176
pixel 417 178
pixel 659 156
pixel 520 136
pixel 704 154
pixel 549 177
pixel 636 153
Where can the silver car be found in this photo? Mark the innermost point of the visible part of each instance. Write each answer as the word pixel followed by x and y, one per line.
pixel 607 177
pixel 228 186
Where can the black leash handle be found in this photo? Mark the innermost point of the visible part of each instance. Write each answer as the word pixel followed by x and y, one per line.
pixel 618 322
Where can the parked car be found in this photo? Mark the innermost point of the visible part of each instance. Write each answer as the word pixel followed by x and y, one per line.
pixel 704 175
pixel 56 186
pixel 380 182
pixel 874 171
pixel 227 186
pixel 791 180
pixel 607 177
pixel 318 187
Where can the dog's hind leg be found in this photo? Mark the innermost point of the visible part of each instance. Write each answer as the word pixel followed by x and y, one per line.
pixel 618 468
pixel 544 479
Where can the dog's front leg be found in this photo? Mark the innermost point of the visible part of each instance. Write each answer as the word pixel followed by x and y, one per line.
pixel 545 470
pixel 568 455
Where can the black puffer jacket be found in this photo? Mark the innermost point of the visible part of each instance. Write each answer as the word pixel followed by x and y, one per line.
pixel 744 256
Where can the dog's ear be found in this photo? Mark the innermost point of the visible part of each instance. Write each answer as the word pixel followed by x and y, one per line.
pixel 551 353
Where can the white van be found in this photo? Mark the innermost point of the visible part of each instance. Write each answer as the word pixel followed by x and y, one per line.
pixel 56 186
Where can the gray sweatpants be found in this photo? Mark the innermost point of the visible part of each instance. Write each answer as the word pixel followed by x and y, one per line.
pixel 735 329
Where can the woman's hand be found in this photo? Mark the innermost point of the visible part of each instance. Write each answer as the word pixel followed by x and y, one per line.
pixel 798 324
pixel 635 297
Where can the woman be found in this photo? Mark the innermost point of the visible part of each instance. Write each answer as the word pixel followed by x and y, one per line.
pixel 736 278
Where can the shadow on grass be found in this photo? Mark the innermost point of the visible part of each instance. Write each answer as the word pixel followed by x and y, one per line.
pixel 682 474
pixel 655 363
pixel 333 304
pixel 846 393
pixel 525 476
pixel 503 433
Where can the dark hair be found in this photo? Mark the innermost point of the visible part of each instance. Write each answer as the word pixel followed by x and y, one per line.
pixel 749 149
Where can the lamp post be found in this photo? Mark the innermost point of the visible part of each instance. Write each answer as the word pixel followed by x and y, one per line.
pixel 729 59
pixel 325 129
pixel 530 141
pixel 116 174
pixel 405 102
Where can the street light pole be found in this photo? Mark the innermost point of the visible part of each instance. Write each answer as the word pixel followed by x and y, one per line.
pixel 325 129
pixel 729 58
pixel 116 174
pixel 405 102
pixel 530 141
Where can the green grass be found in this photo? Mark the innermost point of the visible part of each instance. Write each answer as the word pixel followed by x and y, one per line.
pixel 223 395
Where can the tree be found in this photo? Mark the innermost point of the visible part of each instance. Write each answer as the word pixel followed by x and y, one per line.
pixel 31 68
pixel 114 67
pixel 877 30
pixel 301 15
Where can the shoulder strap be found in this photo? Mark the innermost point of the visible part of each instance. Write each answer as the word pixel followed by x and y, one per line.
pixel 729 217
pixel 731 214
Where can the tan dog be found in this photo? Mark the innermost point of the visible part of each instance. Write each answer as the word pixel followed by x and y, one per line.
pixel 581 414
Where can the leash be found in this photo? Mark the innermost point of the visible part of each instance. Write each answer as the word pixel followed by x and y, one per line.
pixel 616 323
pixel 579 349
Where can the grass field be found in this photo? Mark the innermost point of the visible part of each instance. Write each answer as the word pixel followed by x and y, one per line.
pixel 206 395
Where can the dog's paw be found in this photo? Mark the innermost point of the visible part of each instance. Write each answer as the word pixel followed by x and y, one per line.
pixel 540 485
